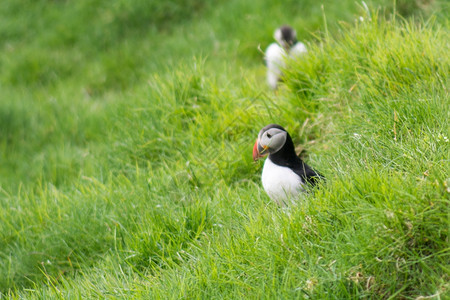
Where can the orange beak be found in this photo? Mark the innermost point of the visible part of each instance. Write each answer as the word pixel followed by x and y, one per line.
pixel 256 154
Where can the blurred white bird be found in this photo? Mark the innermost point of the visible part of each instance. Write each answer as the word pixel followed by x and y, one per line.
pixel 287 47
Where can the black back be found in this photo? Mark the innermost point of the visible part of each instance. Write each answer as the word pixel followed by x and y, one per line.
pixel 286 157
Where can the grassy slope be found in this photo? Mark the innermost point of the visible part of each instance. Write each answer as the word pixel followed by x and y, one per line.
pixel 126 162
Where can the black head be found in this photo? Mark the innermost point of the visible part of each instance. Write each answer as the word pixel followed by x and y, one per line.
pixel 286 36
pixel 273 139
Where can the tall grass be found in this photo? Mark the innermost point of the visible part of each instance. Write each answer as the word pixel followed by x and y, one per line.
pixel 126 166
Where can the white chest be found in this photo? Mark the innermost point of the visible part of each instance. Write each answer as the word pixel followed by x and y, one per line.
pixel 274 56
pixel 280 183
pixel 297 50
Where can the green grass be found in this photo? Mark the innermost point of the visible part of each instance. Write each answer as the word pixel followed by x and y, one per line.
pixel 125 150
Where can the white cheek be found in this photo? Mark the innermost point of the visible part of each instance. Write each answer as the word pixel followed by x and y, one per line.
pixel 280 183
pixel 278 36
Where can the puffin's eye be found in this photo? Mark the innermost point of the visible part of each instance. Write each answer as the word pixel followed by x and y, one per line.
pixel 269 135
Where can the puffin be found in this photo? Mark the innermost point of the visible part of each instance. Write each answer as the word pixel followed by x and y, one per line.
pixel 276 54
pixel 284 174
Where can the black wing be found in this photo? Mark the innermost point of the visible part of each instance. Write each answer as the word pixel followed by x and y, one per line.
pixel 306 173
